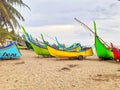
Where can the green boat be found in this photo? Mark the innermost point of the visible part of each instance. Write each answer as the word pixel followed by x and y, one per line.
pixel 40 50
pixel 28 45
pixel 103 52
pixel 21 47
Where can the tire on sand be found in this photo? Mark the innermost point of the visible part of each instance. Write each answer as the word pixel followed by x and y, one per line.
pixel 80 57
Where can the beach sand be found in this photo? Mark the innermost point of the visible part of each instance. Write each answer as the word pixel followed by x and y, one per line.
pixel 31 72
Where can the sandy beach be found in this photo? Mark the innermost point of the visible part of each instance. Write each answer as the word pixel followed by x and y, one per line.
pixel 32 72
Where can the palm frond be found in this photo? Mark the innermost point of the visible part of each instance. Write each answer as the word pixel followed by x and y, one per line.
pixel 15 12
pixel 9 15
pixel 4 10
pixel 18 2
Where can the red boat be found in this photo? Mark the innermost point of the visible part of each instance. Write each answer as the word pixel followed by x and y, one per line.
pixel 116 52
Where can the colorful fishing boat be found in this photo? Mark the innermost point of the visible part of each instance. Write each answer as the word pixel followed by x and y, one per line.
pixel 60 46
pixel 70 54
pixel 21 47
pixel 40 50
pixel 116 52
pixel 103 52
pixel 10 51
pixel 73 47
pixel 28 45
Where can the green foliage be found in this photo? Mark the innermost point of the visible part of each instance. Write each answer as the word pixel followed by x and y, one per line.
pixel 9 17
pixel 4 34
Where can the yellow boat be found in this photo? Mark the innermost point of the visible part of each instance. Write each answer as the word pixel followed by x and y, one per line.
pixel 70 54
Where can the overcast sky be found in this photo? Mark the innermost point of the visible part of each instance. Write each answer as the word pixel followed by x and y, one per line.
pixel 56 18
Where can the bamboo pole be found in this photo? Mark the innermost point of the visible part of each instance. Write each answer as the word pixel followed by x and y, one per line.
pixel 84 25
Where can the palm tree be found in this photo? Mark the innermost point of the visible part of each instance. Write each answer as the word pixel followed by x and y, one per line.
pixel 9 17
pixel 4 34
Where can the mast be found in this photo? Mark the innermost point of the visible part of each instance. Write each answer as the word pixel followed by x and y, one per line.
pixel 84 25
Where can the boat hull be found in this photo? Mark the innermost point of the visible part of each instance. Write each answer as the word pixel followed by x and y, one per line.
pixel 40 50
pixel 102 51
pixel 116 52
pixel 28 45
pixel 10 52
pixel 69 54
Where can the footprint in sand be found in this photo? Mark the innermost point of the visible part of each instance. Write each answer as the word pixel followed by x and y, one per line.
pixel 68 67
pixel 118 70
pixel 72 65
pixel 19 63
pixel 106 77
pixel 65 69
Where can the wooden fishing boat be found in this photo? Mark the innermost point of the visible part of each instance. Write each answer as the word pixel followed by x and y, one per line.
pixel 60 46
pixel 21 47
pixel 40 50
pixel 116 52
pixel 37 47
pixel 28 45
pixel 103 52
pixel 70 54
pixel 73 47
pixel 10 51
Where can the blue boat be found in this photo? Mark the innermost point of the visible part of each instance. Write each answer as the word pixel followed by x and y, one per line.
pixel 10 51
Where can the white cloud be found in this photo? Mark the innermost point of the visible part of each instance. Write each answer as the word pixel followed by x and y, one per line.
pixel 56 18
pixel 67 34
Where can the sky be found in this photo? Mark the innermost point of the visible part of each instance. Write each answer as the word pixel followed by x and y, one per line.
pixel 55 18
